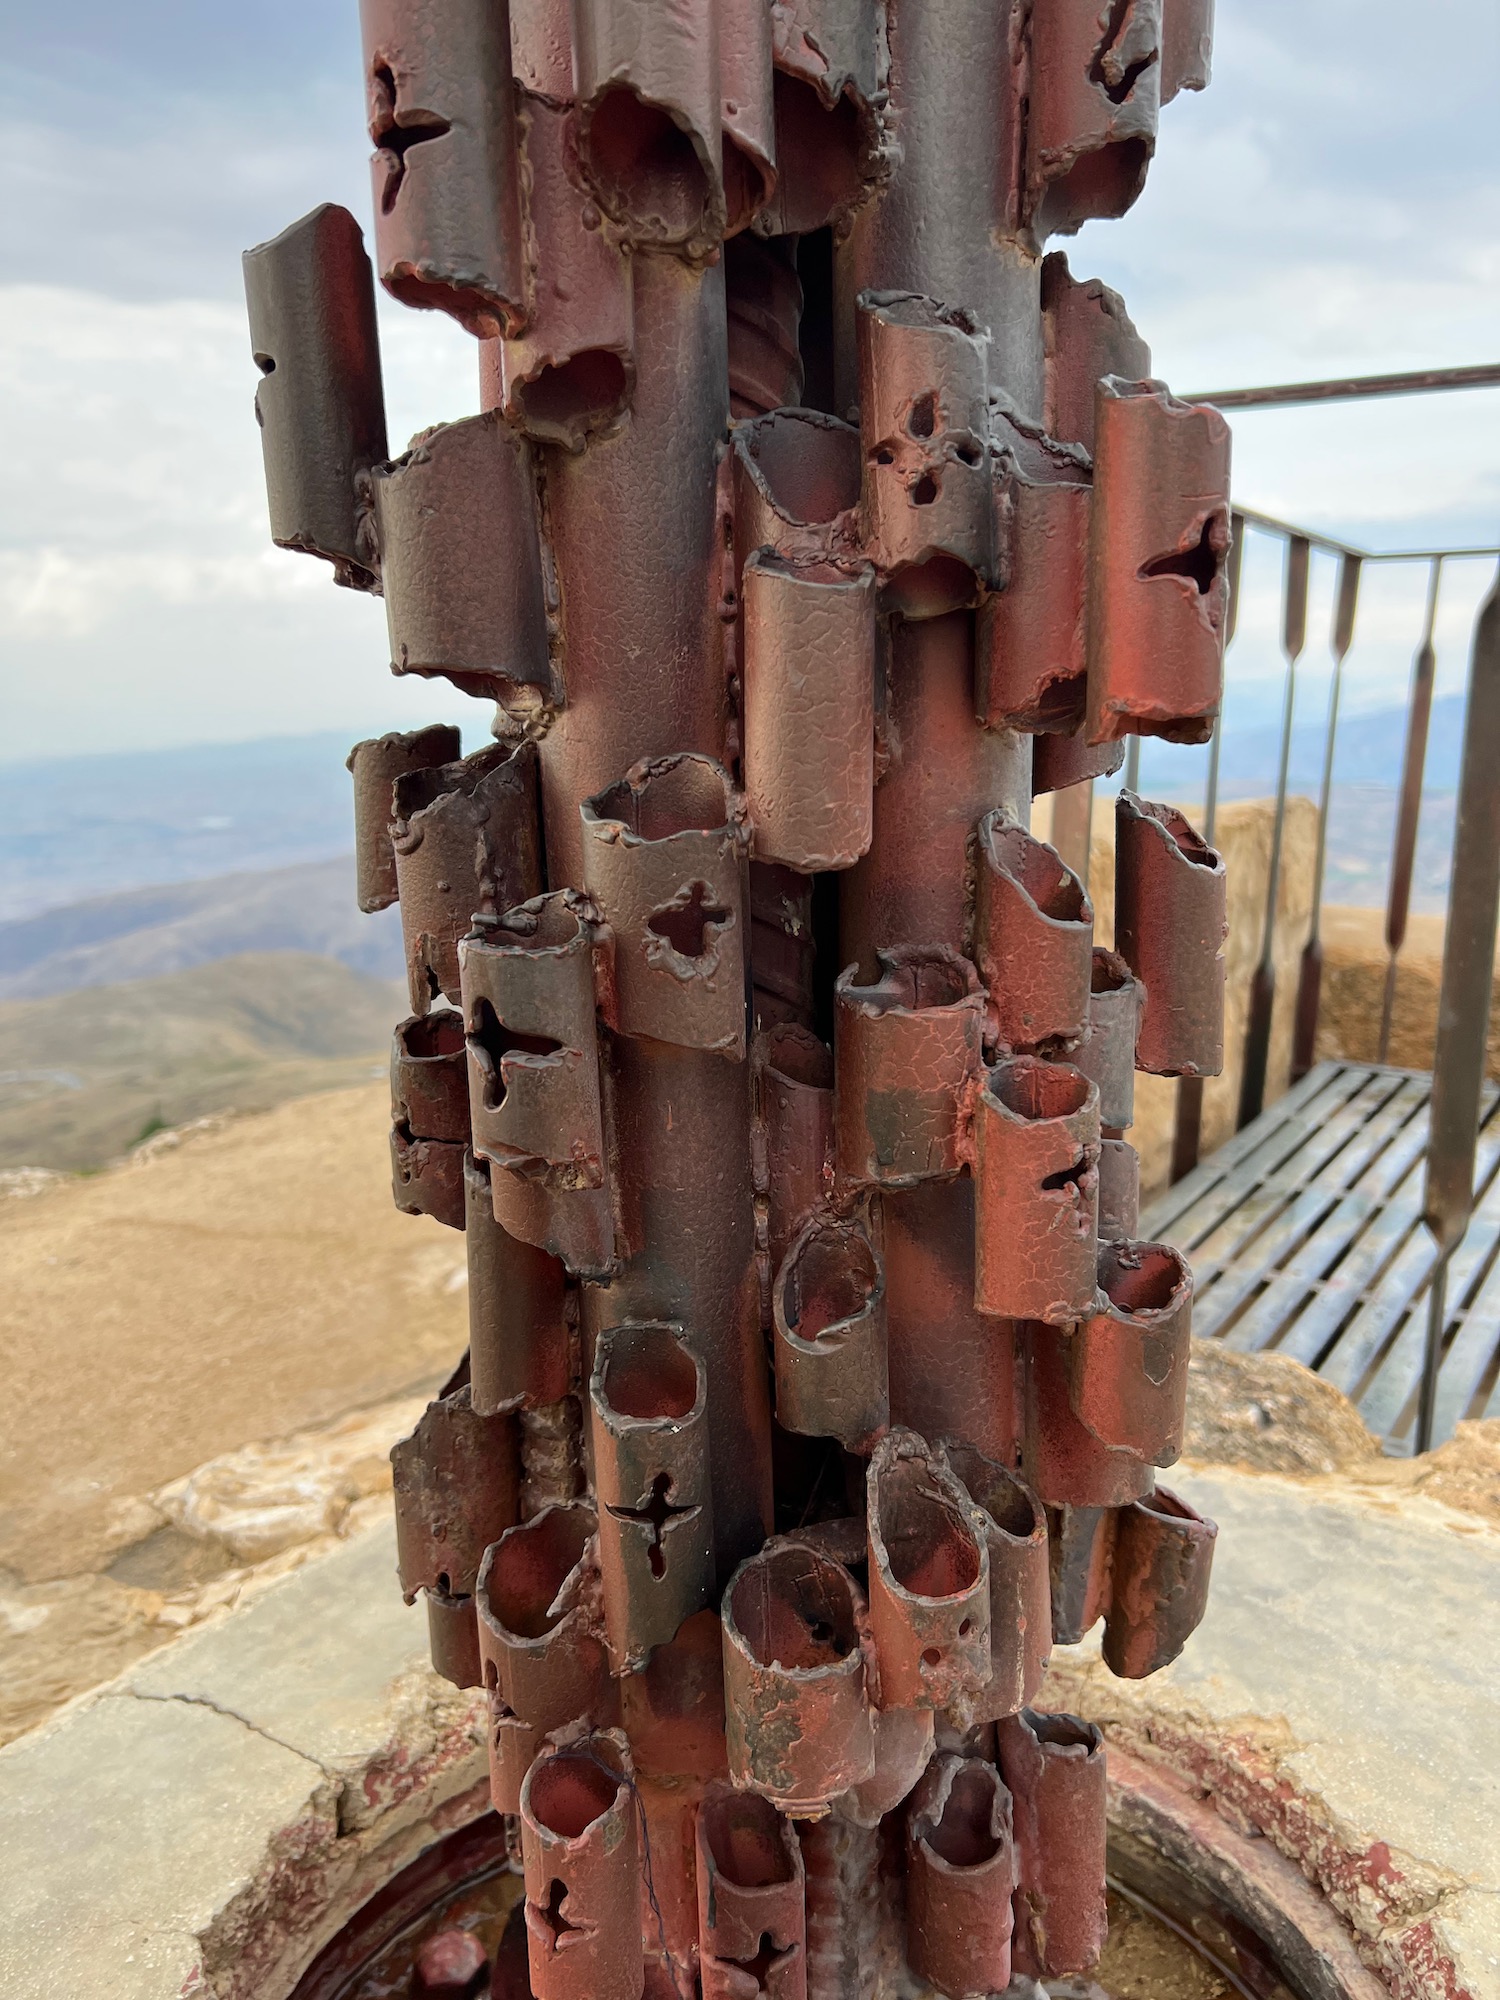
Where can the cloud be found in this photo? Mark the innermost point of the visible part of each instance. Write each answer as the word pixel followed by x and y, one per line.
pixel 1331 204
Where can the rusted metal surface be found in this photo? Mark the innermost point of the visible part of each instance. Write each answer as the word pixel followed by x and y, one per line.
pixel 762 1051
pixel 320 403
pixel 375 766
pixel 1037 1191
pixel 752 1923
pixel 582 1867
pixel 456 1483
pixel 1171 923
pixel 1033 941
pixel 648 1400
pixel 832 1374
pixel 1054 1768
pixel 1158 593
pixel 960 1878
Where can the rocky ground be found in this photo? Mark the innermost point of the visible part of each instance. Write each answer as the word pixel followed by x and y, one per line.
pixel 211 1349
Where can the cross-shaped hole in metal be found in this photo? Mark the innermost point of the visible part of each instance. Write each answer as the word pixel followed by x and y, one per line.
pixel 551 1910
pixel 497 1040
pixel 684 925
pixel 764 1963
pixel 656 1513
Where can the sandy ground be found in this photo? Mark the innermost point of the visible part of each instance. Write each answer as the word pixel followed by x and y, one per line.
pixel 246 1282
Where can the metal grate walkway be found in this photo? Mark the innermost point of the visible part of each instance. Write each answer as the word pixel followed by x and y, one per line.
pixel 1305 1235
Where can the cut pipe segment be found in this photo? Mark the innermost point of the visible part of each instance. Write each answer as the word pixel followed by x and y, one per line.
pixel 648 1397
pixel 568 376
pixel 456 1481
pixel 1015 1531
pixel 924 425
pixel 664 860
pixel 798 1714
pixel 929 1579
pixel 539 1636
pixel 518 1328
pixel 1128 1361
pixel 1033 940
pixel 1171 924
pixel 467 843
pixel 375 766
pixel 649 132
pixel 752 1921
pixel 828 1307
pixel 792 1137
pixel 809 705
pixel 960 1878
pixel 462 564
pixel 906 1049
pixel 1163 1558
pixel 1054 1768
pixel 1119 1191
pixel 1030 656
pixel 1158 566
pixel 1094 95
pixel 580 1855
pixel 1036 1141
pixel 319 404
pixel 1106 1055
pixel 446 179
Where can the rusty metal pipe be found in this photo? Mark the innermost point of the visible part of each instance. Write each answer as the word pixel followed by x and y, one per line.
pixel 1409 808
pixel 1263 986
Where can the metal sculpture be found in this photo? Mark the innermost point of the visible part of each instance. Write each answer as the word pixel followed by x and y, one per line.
pixel 814 523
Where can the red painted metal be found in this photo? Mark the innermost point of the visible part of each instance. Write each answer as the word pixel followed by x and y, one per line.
pixel 1037 1175
pixel 1171 921
pixel 582 1861
pixel 1033 940
pixel 960 1878
pixel 765 986
pixel 752 1924
pixel 375 766
pixel 1054 1767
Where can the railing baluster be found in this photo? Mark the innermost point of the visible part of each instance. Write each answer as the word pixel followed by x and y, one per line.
pixel 1468 975
pixel 1409 808
pixel 1187 1130
pixel 1263 987
pixel 1310 974
pixel 1073 826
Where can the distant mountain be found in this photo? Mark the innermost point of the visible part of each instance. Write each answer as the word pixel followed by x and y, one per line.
pixel 87 1074
pixel 144 933
pixel 78 827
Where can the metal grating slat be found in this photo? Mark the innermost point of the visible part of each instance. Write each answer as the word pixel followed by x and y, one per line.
pixel 1307 1238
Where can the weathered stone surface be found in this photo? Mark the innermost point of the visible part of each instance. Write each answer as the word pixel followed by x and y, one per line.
pixel 1268 1413
pixel 130 1830
pixel 205 1824
pixel 1342 1696
pixel 1354 972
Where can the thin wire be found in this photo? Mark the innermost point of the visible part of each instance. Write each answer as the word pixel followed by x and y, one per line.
pixel 627 1779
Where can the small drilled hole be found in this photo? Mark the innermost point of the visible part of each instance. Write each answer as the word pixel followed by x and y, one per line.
pixel 932 1657
pixel 884 457
pixel 925 491
pixel 923 419
pixel 966 1628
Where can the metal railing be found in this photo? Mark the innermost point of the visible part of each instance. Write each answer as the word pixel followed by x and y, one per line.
pixel 1474 892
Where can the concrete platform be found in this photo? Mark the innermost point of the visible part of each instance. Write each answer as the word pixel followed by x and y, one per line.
pixel 202 1826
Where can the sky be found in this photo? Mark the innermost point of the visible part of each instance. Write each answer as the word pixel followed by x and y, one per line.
pixel 1330 205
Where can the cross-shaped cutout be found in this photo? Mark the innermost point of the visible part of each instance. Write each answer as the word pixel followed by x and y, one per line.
pixel 685 925
pixel 765 1962
pixel 656 1513
pixel 551 1910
